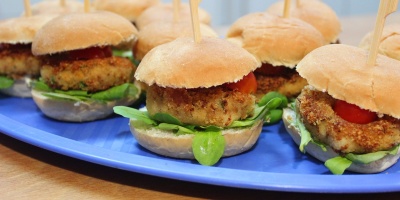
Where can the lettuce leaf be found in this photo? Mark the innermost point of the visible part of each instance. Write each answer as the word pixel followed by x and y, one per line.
pixel 127 54
pixel 339 164
pixel 6 82
pixel 208 143
pixel 114 93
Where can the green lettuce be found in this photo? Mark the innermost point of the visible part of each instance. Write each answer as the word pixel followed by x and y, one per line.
pixel 339 164
pixel 6 82
pixel 127 54
pixel 125 90
pixel 208 143
pixel 274 115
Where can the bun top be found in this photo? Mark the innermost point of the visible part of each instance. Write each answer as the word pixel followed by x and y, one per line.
pixel 183 63
pixel 82 30
pixel 55 7
pixel 342 71
pixel 162 32
pixel 316 13
pixel 165 13
pixel 275 40
pixel 130 9
pixel 22 29
pixel 389 43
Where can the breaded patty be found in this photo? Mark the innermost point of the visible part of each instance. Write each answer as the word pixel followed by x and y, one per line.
pixel 315 108
pixel 89 75
pixel 16 64
pixel 204 106
pixel 283 80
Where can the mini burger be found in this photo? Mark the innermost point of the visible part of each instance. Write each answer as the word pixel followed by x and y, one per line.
pixel 17 64
pixel 389 44
pixel 200 103
pixel 130 9
pixel 316 13
pixel 164 12
pixel 349 114
pixel 80 79
pixel 279 43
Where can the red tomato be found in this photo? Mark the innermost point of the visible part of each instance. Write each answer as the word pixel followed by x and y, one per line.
pixel 14 47
pixel 247 85
pixel 353 113
pixel 269 70
pixel 90 53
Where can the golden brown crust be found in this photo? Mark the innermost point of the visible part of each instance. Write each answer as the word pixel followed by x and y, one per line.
pixel 168 144
pixel 183 63
pixel 317 152
pixel 20 63
pixel 164 12
pixel 215 106
pixel 316 13
pixel 275 40
pixel 89 75
pixel 82 30
pixel 315 108
pixel 330 68
pixel 130 9
pixel 389 42
pixel 289 84
pixel 158 33
pixel 22 29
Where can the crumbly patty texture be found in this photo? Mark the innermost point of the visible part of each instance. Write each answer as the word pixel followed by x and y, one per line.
pixel 89 75
pixel 16 64
pixel 289 84
pixel 315 109
pixel 202 106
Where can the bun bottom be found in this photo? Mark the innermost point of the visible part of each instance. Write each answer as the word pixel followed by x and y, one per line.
pixel 180 146
pixel 74 111
pixel 316 151
pixel 20 88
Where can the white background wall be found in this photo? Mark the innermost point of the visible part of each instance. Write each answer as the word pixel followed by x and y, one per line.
pixel 224 12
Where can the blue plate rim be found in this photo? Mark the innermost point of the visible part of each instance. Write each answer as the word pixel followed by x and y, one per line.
pixel 313 183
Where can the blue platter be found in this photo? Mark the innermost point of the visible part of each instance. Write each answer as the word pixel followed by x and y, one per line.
pixel 274 163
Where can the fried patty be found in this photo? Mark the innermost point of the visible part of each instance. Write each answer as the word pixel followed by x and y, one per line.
pixel 88 75
pixel 315 109
pixel 17 64
pixel 216 106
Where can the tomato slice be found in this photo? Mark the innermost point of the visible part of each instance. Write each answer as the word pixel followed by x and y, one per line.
pixel 247 85
pixel 267 69
pixel 14 47
pixel 90 53
pixel 353 113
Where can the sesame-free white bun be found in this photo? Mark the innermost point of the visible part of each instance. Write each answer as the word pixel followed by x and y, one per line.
pixel 180 146
pixel 130 9
pixel 273 39
pixel 164 12
pixel 78 111
pixel 342 71
pixel 184 63
pixel 55 7
pixel 82 30
pixel 22 29
pixel 158 33
pixel 316 13
pixel 317 152
pixel 389 44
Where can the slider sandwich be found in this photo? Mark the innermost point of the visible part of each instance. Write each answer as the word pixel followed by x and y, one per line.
pixel 349 114
pixel 279 43
pixel 80 78
pixel 17 64
pixel 200 100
